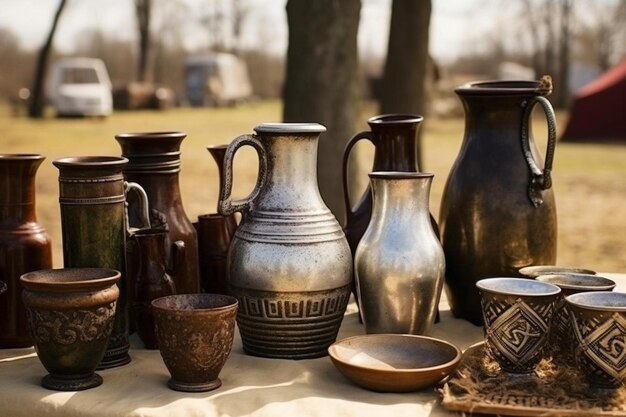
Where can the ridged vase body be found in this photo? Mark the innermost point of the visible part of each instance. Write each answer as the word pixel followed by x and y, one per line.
pixel 289 261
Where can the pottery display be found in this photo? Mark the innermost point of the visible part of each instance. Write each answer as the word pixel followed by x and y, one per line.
pixel 154 279
pixel 395 141
pixel 289 261
pixel 92 196
pixel 498 211
pixel 599 323
pixel 70 315
pixel 518 314
pixel 24 244
pixel 195 333
pixel 399 263
pixel 215 233
pixel 154 163
pixel 394 362
pixel 561 339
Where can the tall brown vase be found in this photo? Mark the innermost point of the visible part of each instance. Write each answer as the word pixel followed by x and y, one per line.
pixel 215 233
pixel 498 212
pixel 24 244
pixel 154 163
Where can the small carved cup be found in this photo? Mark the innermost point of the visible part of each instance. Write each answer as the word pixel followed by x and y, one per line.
pixel 599 322
pixel 195 334
pixel 70 315
pixel 517 314
pixel 561 339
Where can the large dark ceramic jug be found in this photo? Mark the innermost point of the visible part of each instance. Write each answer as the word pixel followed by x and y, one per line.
pixel 24 244
pixel 498 212
pixel 154 163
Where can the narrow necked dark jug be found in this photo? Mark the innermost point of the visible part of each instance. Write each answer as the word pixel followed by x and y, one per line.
pixel 154 163
pixel 24 244
pixel 498 212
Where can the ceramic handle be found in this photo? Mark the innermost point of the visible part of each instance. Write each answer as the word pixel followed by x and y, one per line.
pixel 226 206
pixel 346 156
pixel 143 204
pixel 540 180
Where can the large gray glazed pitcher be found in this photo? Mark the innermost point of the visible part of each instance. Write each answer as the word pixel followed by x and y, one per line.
pixel 289 262
pixel 498 211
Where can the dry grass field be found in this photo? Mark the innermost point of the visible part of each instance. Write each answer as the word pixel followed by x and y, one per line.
pixel 589 179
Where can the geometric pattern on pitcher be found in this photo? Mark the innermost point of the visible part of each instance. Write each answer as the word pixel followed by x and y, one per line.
pixel 519 331
pixel 297 309
pixel 605 344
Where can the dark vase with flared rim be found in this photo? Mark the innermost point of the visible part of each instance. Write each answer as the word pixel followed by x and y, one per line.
pixel 24 244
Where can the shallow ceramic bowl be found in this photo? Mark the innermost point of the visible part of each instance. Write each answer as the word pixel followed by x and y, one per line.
pixel 394 362
pixel 537 270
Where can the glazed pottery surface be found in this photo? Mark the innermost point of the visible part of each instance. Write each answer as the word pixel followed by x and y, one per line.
pixel 399 263
pixel 92 196
pixel 154 278
pixel 537 270
pixel 561 340
pixel 498 211
pixel 599 323
pixel 394 362
pixel 154 163
pixel 517 314
pixel 24 244
pixel 195 333
pixel 289 261
pixel 71 314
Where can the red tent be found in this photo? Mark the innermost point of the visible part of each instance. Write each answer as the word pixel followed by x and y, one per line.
pixel 599 108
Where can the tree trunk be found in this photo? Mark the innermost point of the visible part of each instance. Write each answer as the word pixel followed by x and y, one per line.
pixel 143 9
pixel 37 97
pixel 321 82
pixel 564 53
pixel 404 81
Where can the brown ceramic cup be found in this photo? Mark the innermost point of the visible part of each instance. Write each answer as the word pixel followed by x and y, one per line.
pixel 599 323
pixel 195 334
pixel 517 313
pixel 561 338
pixel 70 314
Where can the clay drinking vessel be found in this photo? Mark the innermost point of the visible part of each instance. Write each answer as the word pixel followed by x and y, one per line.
pixel 195 333
pixel 70 315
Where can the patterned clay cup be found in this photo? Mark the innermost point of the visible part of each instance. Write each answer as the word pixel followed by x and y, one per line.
pixel 70 315
pixel 517 313
pixel 599 323
pixel 195 335
pixel 561 339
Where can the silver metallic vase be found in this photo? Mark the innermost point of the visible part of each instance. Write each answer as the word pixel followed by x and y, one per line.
pixel 399 262
pixel 289 262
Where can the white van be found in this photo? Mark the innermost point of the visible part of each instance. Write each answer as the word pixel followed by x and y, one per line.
pixel 80 87
pixel 216 79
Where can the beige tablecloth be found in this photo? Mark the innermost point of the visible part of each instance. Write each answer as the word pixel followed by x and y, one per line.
pixel 251 386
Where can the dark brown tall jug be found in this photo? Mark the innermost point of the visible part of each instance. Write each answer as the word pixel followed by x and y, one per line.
pixel 394 137
pixel 24 244
pixel 498 212
pixel 154 163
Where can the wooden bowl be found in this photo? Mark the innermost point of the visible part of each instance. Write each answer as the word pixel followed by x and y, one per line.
pixel 394 362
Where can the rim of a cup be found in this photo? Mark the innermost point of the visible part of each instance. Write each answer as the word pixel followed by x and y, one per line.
pixel 607 284
pixel 109 277
pixel 529 271
pixel 578 300
pixel 549 289
pixel 232 303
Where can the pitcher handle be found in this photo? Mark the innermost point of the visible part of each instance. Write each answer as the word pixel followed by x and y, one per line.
pixel 144 208
pixel 346 156
pixel 539 180
pixel 226 206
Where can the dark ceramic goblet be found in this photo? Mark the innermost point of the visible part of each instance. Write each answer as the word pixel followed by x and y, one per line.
pixel 195 334
pixel 70 315
pixel 517 313
pixel 561 337
pixel 599 323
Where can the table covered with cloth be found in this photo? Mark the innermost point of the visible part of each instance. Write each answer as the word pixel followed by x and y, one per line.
pixel 251 386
